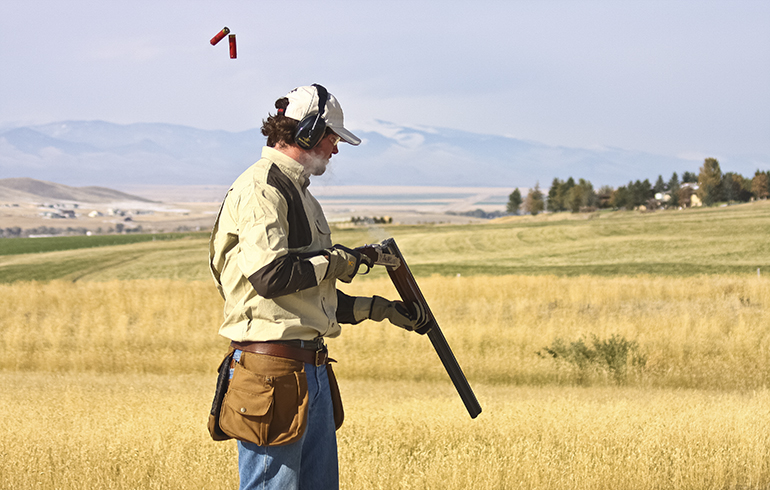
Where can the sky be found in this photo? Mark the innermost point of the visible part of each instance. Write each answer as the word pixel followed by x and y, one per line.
pixel 685 78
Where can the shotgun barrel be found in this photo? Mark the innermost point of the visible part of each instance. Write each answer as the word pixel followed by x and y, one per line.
pixel 407 288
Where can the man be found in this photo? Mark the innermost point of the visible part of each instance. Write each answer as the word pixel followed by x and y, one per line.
pixel 273 261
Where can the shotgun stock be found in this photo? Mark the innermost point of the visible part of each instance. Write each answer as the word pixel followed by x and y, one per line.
pixel 407 288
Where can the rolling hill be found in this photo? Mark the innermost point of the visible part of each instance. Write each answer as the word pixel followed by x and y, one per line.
pixel 24 189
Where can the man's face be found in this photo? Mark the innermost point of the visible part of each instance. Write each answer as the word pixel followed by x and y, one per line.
pixel 318 157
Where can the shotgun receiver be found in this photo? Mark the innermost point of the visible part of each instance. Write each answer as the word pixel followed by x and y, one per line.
pixel 388 254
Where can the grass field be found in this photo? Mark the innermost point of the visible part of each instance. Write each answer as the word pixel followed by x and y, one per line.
pixel 110 431
pixel 728 240
pixel 108 358
pixel 18 246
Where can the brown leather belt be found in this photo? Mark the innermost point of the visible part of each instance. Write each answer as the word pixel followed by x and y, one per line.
pixel 317 357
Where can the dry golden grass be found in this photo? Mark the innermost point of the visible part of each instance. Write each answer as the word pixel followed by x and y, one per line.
pixel 117 326
pixel 707 331
pixel 143 431
pixel 76 431
pixel 555 438
pixel 108 385
pixel 700 332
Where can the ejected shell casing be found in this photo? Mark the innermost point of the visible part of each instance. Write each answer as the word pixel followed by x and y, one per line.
pixel 220 35
pixel 233 52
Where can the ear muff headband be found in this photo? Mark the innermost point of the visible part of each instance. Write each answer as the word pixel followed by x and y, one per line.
pixel 312 128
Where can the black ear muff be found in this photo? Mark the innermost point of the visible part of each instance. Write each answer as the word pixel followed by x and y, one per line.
pixel 312 128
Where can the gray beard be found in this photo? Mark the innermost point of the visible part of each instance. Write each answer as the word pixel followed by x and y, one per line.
pixel 315 165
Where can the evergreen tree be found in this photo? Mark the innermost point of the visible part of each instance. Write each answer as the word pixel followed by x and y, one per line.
pixel 689 178
pixel 673 191
pixel 746 189
pixel 564 193
pixel 555 196
pixel 735 187
pixel 581 196
pixel 641 192
pixel 660 186
pixel 590 199
pixel 574 199
pixel 621 198
pixel 514 201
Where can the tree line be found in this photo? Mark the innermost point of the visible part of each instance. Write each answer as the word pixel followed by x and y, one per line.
pixel 707 188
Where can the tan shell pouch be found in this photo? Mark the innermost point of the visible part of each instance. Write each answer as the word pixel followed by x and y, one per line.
pixel 266 402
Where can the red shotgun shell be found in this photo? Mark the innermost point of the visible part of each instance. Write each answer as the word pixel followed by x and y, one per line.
pixel 233 53
pixel 221 34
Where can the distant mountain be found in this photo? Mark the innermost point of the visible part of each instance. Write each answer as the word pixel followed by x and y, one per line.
pixel 101 153
pixel 31 190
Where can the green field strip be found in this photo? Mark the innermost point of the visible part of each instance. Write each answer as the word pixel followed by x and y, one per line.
pixel 728 240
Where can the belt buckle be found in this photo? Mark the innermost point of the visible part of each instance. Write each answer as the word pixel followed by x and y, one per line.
pixel 320 357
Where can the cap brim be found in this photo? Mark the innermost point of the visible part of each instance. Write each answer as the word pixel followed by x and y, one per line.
pixel 347 136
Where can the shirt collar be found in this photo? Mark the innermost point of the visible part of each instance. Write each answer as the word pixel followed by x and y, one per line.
pixel 289 166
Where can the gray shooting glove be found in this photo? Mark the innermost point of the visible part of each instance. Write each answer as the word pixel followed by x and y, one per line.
pixel 344 262
pixel 397 313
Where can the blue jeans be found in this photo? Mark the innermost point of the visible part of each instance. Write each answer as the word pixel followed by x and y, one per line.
pixel 308 464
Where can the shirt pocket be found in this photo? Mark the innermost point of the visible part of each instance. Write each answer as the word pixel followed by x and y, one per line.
pixel 324 233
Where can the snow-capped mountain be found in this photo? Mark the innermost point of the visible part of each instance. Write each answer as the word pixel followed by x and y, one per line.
pixel 102 153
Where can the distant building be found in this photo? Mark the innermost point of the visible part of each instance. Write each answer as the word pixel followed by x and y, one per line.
pixel 695 201
pixel 60 214
pixel 663 197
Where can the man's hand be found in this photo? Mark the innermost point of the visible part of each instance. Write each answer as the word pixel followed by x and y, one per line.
pixel 397 313
pixel 344 262
pixel 369 252
pixel 378 256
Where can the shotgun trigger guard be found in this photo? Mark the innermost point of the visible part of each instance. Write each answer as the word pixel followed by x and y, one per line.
pixel 368 269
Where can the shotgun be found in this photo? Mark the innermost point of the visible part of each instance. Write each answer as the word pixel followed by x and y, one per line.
pixel 387 253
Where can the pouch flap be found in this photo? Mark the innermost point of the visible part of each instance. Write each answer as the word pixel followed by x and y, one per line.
pixel 249 404
pixel 250 393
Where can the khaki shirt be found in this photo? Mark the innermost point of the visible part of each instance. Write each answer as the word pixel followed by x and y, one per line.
pixel 265 254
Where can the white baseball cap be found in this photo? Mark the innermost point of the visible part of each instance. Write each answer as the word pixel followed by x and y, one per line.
pixel 303 102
